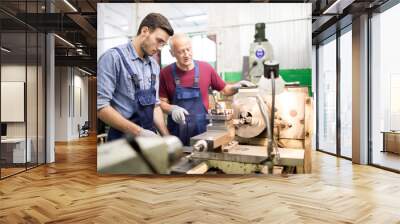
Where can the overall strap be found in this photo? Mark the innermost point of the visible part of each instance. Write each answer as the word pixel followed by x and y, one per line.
pixel 196 75
pixel 153 76
pixel 128 67
pixel 175 75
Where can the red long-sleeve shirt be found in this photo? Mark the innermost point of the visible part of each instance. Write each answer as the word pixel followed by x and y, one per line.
pixel 208 78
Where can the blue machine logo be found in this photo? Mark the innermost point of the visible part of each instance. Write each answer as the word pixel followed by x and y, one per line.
pixel 260 53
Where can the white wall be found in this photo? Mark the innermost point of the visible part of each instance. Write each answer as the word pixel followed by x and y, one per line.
pixel 70 83
pixel 80 103
pixel 33 127
pixel 12 73
pixel 116 25
pixel 288 28
pixel 61 103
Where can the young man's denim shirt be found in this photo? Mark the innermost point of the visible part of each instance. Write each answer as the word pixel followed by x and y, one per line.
pixel 115 86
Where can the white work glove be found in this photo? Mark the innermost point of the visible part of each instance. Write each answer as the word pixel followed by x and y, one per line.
pixel 244 83
pixel 146 133
pixel 178 114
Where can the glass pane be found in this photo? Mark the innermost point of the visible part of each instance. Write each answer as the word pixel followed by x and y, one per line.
pixel 327 97
pixel 13 85
pixel 31 97
pixel 41 98
pixel 346 94
pixel 386 89
pixel 22 79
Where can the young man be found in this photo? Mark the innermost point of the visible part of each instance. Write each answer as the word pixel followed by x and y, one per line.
pixel 184 90
pixel 128 81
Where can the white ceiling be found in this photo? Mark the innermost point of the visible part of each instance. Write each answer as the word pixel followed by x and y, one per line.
pixel 182 16
pixel 185 15
pixel 118 22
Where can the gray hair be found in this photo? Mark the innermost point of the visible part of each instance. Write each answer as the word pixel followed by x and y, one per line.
pixel 177 36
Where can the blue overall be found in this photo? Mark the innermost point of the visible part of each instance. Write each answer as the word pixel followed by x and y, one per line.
pixel 143 104
pixel 190 99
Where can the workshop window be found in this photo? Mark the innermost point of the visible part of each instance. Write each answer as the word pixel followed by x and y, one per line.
pixel 203 48
pixel 327 96
pixel 346 94
pixel 385 88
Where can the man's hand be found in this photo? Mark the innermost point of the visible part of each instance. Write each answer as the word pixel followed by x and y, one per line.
pixel 242 83
pixel 178 114
pixel 146 133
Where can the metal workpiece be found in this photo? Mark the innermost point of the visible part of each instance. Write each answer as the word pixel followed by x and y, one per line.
pixel 200 146
pixel 140 155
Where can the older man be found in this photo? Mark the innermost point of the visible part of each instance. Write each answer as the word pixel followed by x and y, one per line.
pixel 127 82
pixel 184 90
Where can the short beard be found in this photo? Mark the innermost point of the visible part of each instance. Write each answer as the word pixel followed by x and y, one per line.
pixel 145 54
pixel 143 48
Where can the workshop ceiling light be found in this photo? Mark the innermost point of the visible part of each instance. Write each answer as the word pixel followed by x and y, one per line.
pixel 5 50
pixel 64 40
pixel 70 5
pixel 337 7
pixel 125 27
pixel 84 71
pixel 79 51
pixel 196 18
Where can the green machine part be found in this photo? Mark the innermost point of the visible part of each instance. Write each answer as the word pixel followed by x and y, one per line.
pixel 302 76
pixel 260 51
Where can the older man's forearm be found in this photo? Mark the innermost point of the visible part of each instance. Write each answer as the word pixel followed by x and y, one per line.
pixel 165 106
pixel 229 90
pixel 159 121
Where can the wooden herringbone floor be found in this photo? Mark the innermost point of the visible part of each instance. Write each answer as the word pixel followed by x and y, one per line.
pixel 70 191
